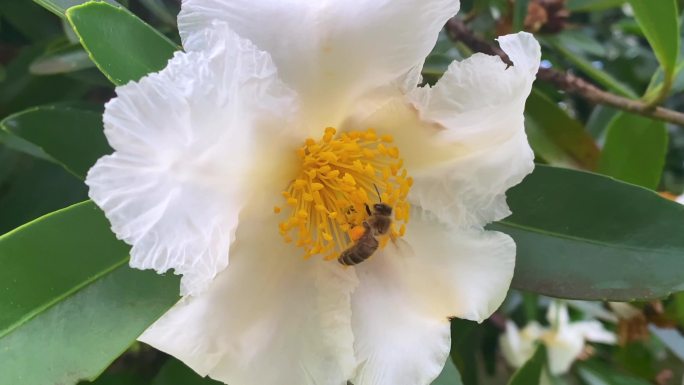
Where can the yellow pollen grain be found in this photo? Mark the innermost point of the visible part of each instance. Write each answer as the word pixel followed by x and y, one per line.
pixel 341 174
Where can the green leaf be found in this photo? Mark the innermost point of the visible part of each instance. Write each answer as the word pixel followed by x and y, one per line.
pixel 29 19
pixel 59 7
pixel 63 60
pixel 519 13
pixel 593 373
pixel 69 136
pixel 21 90
pixel 175 372
pixel 465 344
pixel 530 373
pixel 635 150
pixel 655 86
pixel 70 302
pixel 585 236
pixel 592 5
pixel 30 188
pixel 598 121
pixel 658 20
pixel 122 46
pixel 557 137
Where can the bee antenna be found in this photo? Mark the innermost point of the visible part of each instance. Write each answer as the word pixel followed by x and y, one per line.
pixel 378 191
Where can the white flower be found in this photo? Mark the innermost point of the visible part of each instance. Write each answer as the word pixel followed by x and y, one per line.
pixel 564 340
pixel 206 148
pixel 680 199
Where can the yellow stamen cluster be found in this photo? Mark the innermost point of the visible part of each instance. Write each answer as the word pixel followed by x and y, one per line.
pixel 340 175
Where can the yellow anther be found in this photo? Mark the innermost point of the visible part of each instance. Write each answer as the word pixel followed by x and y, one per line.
pixel 338 179
pixel 349 179
pixel 328 156
pixel 300 183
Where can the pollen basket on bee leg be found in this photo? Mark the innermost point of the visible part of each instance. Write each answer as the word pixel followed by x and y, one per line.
pixel 341 174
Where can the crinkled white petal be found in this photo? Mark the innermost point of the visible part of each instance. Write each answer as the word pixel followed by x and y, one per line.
pixel 329 51
pixel 477 139
pixel 271 318
pixel 408 292
pixel 185 160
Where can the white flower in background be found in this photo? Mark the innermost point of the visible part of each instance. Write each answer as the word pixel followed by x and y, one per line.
pixel 680 199
pixel 564 340
pixel 239 126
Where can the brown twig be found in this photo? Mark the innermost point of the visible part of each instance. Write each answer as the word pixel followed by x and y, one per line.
pixel 458 31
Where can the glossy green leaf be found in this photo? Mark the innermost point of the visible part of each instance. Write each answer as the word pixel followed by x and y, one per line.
pixel 70 302
pixel 658 21
pixel 593 373
pixel 592 5
pixel 634 150
pixel 531 372
pixel 59 7
pixel 31 187
pixel 122 46
pixel 556 137
pixel 63 60
pixel 175 372
pixel 519 13
pixel 69 136
pixel 585 236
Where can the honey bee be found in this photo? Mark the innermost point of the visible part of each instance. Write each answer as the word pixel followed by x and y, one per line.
pixel 378 223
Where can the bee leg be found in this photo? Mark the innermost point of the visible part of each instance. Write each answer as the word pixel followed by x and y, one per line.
pixel 368 210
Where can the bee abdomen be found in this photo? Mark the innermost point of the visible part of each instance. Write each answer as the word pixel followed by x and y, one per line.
pixel 360 251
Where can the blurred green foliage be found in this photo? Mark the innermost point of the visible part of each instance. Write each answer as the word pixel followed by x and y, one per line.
pixel 633 51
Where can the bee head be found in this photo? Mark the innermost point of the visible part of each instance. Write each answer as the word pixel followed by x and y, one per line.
pixel 382 209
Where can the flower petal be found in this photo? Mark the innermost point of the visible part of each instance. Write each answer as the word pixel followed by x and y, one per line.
pixel 271 318
pixel 594 331
pixel 330 52
pixel 182 138
pixel 464 143
pixel 518 346
pixel 444 274
pixel 563 348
